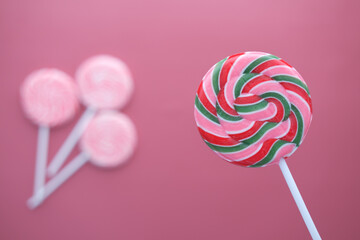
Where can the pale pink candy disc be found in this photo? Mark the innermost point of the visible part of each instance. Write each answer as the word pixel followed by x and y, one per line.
pixel 109 139
pixel 104 82
pixel 49 97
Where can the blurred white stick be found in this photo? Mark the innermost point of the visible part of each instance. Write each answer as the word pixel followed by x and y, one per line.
pixel 41 157
pixel 58 180
pixel 299 201
pixel 70 141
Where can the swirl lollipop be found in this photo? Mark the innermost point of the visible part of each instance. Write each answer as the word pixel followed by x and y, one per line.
pixel 49 98
pixel 104 83
pixel 108 141
pixel 254 110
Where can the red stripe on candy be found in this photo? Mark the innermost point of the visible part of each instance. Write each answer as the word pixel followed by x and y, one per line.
pixel 252 83
pixel 280 110
pixel 248 133
pixel 300 91
pixel 224 105
pixel 286 63
pixel 290 136
pixel 205 101
pixel 268 64
pixel 259 155
pixel 226 68
pixel 247 99
pixel 216 139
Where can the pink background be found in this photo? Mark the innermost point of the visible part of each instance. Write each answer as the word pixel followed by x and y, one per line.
pixel 175 187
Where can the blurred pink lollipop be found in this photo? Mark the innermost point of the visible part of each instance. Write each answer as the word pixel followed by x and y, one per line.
pixel 49 98
pixel 108 141
pixel 104 83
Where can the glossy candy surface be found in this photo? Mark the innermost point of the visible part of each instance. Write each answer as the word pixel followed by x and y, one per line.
pixel 253 109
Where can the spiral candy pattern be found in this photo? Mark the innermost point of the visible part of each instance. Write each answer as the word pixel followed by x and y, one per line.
pixel 49 97
pixel 110 139
pixel 253 109
pixel 104 82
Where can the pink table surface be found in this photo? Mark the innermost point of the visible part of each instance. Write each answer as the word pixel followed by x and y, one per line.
pixel 174 187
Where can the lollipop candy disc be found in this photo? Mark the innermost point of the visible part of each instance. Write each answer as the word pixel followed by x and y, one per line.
pixel 253 109
pixel 110 139
pixel 104 82
pixel 49 97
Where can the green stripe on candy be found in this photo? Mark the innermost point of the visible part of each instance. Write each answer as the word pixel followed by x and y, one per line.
pixel 294 80
pixel 220 112
pixel 241 82
pixel 282 99
pixel 300 121
pixel 204 111
pixel 260 133
pixel 258 62
pixel 251 107
pixel 227 149
pixel 216 74
pixel 271 154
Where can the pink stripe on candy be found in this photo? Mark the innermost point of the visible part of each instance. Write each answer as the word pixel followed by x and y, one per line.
pixel 262 115
pixel 268 86
pixel 303 108
pixel 284 151
pixel 204 123
pixel 241 155
pixel 236 127
pixel 237 69
pixel 277 132
pixel 209 91
pixel 282 70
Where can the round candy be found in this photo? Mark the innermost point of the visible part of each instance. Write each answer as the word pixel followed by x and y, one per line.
pixel 109 139
pixel 49 97
pixel 253 109
pixel 104 82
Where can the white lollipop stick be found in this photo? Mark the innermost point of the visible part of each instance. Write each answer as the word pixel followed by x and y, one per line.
pixel 299 201
pixel 108 141
pixel 41 157
pixel 49 98
pixel 58 180
pixel 70 141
